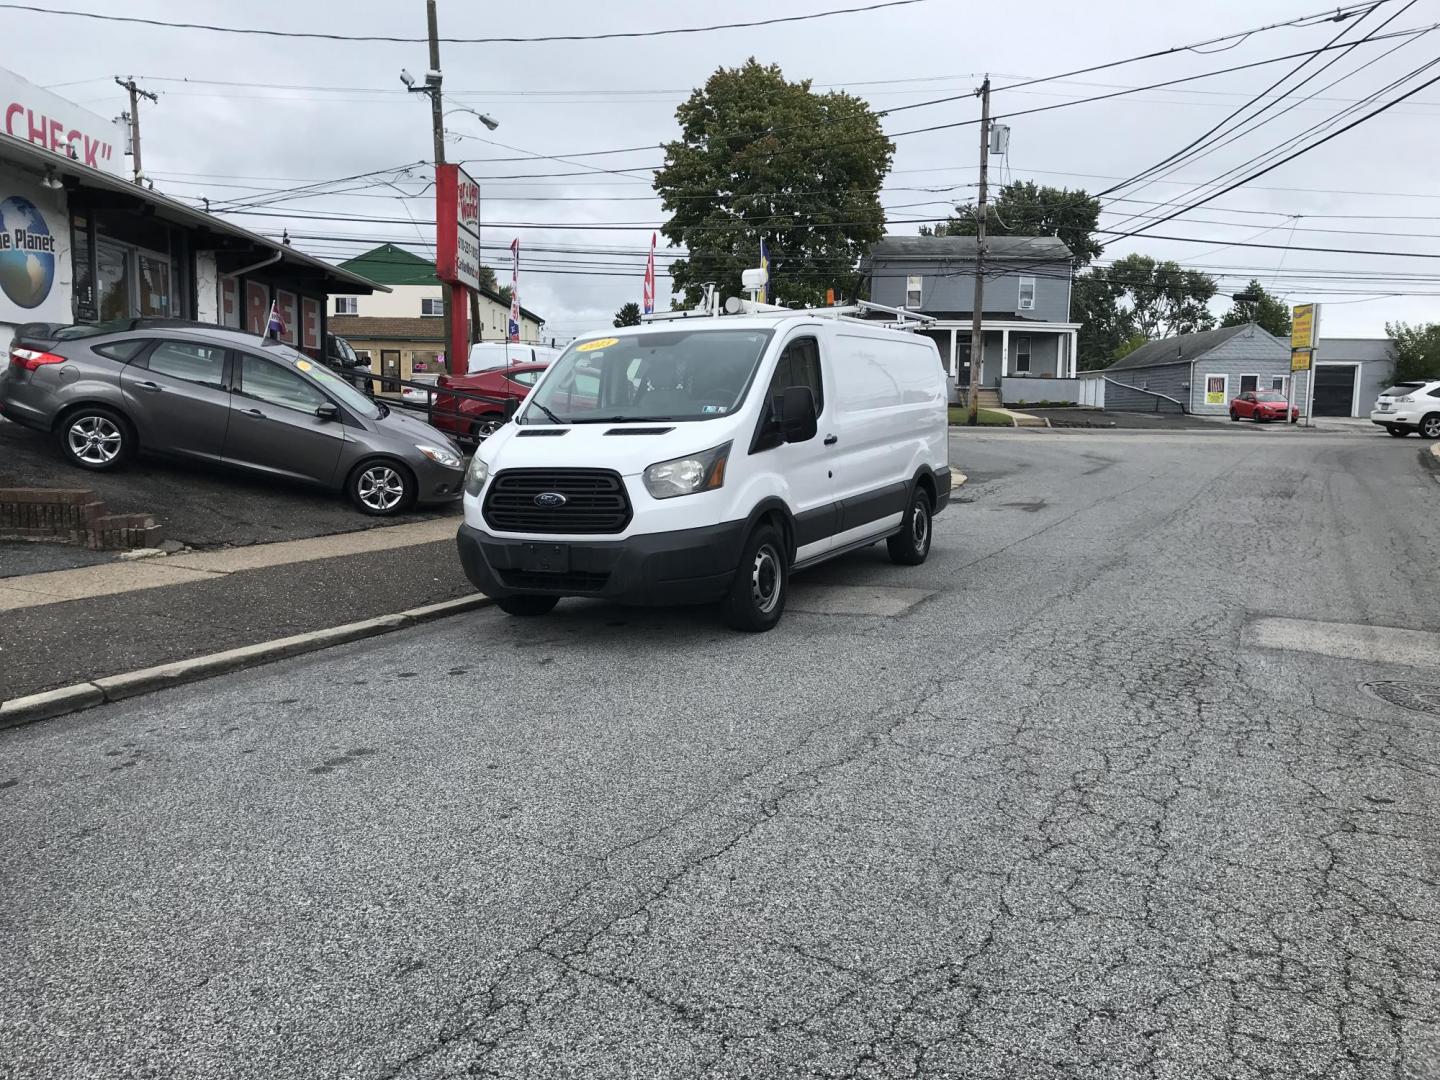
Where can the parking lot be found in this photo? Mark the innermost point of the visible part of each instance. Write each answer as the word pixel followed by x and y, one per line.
pixel 1112 786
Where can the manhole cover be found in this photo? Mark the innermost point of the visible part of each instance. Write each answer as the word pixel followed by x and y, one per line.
pixel 1422 697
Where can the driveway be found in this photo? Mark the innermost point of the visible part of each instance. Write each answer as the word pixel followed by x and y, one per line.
pixel 1136 777
pixel 199 507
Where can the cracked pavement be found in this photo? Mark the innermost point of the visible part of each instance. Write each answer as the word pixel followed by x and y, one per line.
pixel 1057 820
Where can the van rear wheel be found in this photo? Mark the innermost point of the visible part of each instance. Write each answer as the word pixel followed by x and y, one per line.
pixel 756 599
pixel 911 545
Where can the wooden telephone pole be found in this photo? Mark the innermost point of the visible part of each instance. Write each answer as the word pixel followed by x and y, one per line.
pixel 133 119
pixel 977 335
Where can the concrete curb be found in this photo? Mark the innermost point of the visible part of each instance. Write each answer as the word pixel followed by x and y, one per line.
pixel 68 699
pixel 1430 457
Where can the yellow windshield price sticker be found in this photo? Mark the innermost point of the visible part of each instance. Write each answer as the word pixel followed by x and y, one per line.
pixel 599 343
pixel 303 365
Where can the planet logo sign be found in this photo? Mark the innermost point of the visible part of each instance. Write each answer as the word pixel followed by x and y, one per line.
pixel 27 253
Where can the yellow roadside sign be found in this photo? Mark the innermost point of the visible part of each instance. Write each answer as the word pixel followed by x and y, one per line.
pixel 1300 359
pixel 1302 329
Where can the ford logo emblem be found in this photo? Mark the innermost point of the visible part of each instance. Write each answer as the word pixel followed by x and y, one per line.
pixel 550 499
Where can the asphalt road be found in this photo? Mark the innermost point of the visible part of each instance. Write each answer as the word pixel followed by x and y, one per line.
pixel 1086 807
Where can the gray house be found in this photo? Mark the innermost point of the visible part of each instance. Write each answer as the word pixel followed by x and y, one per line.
pixel 1026 323
pixel 1200 373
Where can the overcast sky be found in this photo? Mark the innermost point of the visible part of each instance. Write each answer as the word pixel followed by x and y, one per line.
pixel 351 115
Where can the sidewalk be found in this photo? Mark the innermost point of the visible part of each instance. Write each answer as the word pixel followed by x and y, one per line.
pixel 68 626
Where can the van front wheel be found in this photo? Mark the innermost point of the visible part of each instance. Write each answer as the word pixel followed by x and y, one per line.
pixel 911 545
pixel 756 599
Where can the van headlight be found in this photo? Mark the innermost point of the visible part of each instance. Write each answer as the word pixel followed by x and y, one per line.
pixel 687 475
pixel 476 475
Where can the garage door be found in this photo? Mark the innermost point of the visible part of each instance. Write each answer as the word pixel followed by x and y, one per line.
pixel 1334 389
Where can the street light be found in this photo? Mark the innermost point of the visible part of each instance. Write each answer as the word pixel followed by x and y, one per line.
pixel 407 79
pixel 482 117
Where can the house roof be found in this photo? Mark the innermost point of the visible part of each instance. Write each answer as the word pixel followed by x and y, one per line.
pixel 73 174
pixel 1178 349
pixel 1044 248
pixel 393 265
pixel 386 328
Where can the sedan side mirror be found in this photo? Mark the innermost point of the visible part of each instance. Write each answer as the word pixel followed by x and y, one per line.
pixel 798 421
pixel 511 407
pixel 327 411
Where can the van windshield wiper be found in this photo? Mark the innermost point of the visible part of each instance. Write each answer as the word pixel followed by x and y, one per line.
pixel 619 419
pixel 547 412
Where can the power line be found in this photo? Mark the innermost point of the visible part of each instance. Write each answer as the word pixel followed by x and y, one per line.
pixel 317 36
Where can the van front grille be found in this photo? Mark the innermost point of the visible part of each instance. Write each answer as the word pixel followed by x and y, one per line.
pixel 594 501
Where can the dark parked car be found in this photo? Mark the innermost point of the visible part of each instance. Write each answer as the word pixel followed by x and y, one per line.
pixel 476 419
pixel 341 357
pixel 210 394
pixel 1262 405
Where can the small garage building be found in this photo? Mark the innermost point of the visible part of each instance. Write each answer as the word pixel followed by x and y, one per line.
pixel 1350 373
pixel 1200 373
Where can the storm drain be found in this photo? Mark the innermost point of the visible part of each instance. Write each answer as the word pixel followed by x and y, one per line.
pixel 1421 697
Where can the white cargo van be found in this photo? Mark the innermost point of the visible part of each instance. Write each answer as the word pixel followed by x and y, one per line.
pixel 704 459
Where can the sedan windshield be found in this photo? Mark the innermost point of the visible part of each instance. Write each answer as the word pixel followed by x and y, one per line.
pixel 1270 396
pixel 671 375
pixel 331 383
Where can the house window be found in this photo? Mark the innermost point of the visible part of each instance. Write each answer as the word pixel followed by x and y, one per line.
pixel 912 291
pixel 347 305
pixel 1027 294
pixel 1022 352
pixel 1277 383
pixel 429 306
pixel 1217 389
pixel 1249 383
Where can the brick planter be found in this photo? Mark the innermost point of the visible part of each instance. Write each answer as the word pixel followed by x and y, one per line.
pixel 72 516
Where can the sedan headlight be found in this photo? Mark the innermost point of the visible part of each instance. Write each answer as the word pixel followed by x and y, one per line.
pixel 687 475
pixel 476 475
pixel 441 455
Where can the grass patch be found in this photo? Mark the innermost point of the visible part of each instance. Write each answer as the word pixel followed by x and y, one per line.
pixel 959 414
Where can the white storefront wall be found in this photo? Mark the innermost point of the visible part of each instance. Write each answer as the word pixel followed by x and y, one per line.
pixel 36 271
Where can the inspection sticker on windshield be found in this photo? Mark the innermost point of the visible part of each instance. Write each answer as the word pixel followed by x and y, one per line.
pixel 599 343
pixel 303 365
pixel 708 409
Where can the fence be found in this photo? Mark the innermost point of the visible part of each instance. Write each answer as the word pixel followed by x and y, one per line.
pixel 1019 390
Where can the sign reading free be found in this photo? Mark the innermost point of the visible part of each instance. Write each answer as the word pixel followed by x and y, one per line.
pixel 37 116
pixel 457 226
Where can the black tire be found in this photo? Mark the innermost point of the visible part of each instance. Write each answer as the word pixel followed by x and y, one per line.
pixel 911 545
pixel 1256 417
pixel 1397 432
pixel 756 599
pixel 1234 416
pixel 485 426
pixel 381 487
pixel 1430 426
pixel 96 438
pixel 527 605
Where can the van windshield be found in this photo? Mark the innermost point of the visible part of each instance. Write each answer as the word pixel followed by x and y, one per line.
pixel 678 374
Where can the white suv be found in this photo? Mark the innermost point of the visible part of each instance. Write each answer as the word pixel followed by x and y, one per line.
pixel 1407 407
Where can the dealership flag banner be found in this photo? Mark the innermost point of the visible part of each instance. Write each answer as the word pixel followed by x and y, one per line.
pixel 648 295
pixel 515 290
pixel 765 290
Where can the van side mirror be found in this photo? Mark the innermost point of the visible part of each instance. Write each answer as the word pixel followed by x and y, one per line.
pixel 511 407
pixel 798 422
pixel 327 411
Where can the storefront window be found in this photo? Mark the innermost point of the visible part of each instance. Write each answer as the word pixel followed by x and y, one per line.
pixel 154 285
pixel 112 273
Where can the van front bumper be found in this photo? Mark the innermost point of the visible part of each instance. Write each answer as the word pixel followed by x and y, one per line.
pixel 691 566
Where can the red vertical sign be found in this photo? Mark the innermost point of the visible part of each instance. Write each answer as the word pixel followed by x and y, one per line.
pixel 309 323
pixel 257 307
pixel 285 305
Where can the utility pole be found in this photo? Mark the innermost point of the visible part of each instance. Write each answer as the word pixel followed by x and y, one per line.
pixel 977 335
pixel 133 118
pixel 437 123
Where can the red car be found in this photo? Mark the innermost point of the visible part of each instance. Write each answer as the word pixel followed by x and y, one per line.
pixel 1261 405
pixel 476 420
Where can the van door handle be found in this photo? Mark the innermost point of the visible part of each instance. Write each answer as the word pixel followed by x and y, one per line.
pixel 831 440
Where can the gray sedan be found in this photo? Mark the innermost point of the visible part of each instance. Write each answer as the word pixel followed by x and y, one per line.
pixel 210 394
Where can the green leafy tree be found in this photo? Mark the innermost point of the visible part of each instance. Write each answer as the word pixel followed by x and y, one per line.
pixel 1416 352
pixel 1270 312
pixel 760 156
pixel 1162 298
pixel 1095 304
pixel 1129 345
pixel 1025 209
pixel 628 315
